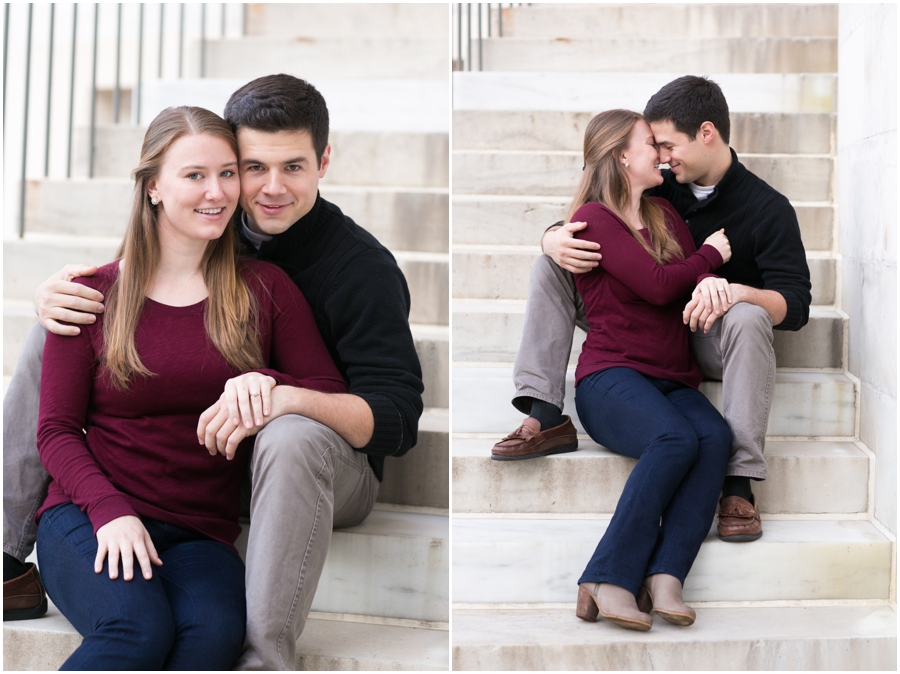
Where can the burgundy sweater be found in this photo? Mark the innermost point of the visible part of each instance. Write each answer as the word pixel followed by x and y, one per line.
pixel 138 453
pixel 634 305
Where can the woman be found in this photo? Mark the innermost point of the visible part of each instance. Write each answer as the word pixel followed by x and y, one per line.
pixel 183 317
pixel 636 380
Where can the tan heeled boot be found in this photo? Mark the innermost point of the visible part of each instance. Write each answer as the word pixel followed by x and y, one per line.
pixel 614 603
pixel 664 597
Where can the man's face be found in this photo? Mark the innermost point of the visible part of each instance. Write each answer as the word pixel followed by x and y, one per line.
pixel 689 160
pixel 279 177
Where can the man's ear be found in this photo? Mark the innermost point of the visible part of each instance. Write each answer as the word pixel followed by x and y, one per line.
pixel 325 161
pixel 708 132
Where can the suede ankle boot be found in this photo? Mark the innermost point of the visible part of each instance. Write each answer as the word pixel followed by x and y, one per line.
pixel 612 602
pixel 664 593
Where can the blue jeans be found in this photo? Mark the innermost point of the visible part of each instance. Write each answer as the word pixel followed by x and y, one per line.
pixel 682 444
pixel 189 616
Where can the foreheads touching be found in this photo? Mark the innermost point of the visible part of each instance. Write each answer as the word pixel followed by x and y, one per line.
pixel 691 105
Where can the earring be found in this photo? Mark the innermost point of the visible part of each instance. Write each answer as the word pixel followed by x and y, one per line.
pixel 154 200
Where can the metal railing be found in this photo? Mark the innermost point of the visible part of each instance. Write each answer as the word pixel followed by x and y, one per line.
pixel 104 56
pixel 472 22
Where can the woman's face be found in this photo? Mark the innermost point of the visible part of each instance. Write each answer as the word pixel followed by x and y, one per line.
pixel 642 156
pixel 197 188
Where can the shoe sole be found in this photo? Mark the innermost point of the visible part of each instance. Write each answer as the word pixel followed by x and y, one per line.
pixel 556 450
pixel 741 538
pixel 682 619
pixel 26 613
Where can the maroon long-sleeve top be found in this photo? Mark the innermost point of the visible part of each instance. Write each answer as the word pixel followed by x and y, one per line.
pixel 138 452
pixel 634 306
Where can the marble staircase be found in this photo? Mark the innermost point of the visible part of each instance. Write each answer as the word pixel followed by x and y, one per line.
pixel 817 590
pixel 383 601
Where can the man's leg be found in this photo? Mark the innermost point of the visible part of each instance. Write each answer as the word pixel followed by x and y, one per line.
pixel 739 351
pixel 24 482
pixel 552 311
pixel 305 480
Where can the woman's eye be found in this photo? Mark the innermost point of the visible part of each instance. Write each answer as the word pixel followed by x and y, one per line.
pixel 194 176
pixel 227 174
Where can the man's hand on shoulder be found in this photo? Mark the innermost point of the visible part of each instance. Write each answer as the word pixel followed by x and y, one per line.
pixel 574 255
pixel 59 299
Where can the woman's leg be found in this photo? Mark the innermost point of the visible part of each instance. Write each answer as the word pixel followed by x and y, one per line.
pixel 689 515
pixel 626 412
pixel 125 624
pixel 204 583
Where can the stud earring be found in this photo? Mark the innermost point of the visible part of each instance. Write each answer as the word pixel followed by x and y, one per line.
pixel 154 200
pixel 626 164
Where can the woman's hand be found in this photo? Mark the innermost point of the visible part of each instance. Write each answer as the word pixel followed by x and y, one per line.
pixel 249 398
pixel 127 538
pixel 711 299
pixel 719 241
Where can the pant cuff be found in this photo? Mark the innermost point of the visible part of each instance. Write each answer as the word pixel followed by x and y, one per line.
pixel 743 472
pixel 523 400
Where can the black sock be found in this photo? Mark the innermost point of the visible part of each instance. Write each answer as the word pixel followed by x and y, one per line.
pixel 737 485
pixel 12 567
pixel 548 414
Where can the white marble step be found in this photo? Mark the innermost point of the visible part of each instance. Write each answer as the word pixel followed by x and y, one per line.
pixel 421 477
pixel 520 220
pixel 491 331
pixel 341 20
pixel 693 21
pixel 401 218
pixel 559 130
pixel 327 643
pixel 31 260
pixel 413 159
pixel 502 272
pixel 816 638
pixel 536 560
pixel 550 174
pixel 805 477
pixel 578 90
pixel 804 405
pixel 654 53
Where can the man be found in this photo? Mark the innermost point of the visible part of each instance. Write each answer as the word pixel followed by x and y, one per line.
pixel 767 287
pixel 318 458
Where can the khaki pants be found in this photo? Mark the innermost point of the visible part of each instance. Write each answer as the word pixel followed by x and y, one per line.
pixel 305 481
pixel 738 351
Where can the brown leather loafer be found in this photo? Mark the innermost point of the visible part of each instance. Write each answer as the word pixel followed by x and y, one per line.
pixel 528 441
pixel 24 597
pixel 739 520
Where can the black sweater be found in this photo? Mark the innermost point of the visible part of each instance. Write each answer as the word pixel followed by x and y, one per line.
pixel 361 305
pixel 761 225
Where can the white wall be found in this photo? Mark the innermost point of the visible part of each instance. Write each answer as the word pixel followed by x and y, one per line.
pixel 867 203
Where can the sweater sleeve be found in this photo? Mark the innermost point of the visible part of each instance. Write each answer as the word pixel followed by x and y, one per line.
pixel 781 258
pixel 369 309
pixel 67 375
pixel 626 260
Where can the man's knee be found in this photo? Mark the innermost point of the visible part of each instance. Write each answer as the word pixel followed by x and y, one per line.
pixel 745 321
pixel 293 442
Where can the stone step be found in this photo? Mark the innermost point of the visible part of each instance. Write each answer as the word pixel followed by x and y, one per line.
pixel 537 560
pixel 578 90
pixel 357 20
pixel 31 260
pixel 581 22
pixel 401 218
pixel 742 638
pixel 422 476
pixel 804 405
pixel 560 130
pixel 652 53
pixel 491 331
pixel 804 478
pixel 521 220
pixel 371 158
pixel 433 347
pixel 798 177
pixel 327 643
pixel 502 272
pixel 314 57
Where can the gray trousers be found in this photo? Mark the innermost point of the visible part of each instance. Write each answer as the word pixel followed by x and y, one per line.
pixel 305 480
pixel 738 351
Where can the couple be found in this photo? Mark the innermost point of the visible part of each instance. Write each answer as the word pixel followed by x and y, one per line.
pixel 661 235
pixel 194 349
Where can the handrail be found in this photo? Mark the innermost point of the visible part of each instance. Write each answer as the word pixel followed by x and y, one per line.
pixel 484 16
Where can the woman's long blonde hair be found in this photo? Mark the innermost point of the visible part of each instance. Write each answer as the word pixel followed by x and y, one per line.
pixel 230 314
pixel 604 180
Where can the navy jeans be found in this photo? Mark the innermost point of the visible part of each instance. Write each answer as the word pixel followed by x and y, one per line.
pixel 190 616
pixel 682 445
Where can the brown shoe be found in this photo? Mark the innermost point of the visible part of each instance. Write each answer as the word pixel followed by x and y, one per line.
pixel 739 520
pixel 24 597
pixel 528 441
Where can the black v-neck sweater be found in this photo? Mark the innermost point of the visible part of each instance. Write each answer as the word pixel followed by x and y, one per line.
pixel 361 305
